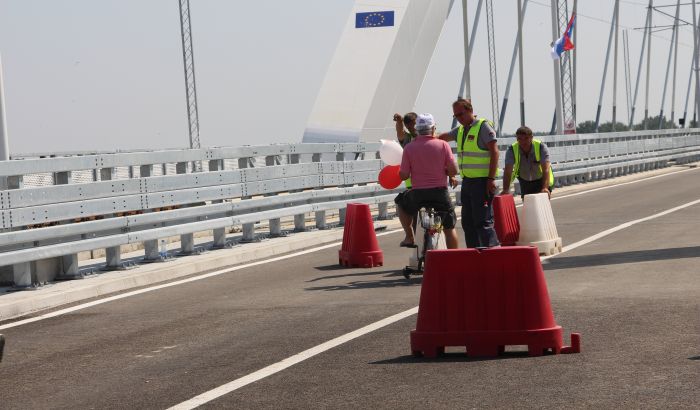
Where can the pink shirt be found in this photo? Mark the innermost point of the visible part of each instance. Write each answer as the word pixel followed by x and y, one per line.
pixel 427 159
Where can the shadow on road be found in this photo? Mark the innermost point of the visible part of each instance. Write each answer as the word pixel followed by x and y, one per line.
pixel 391 272
pixel 566 262
pixel 372 284
pixel 451 357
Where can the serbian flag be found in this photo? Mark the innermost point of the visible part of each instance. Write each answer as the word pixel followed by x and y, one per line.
pixel 564 42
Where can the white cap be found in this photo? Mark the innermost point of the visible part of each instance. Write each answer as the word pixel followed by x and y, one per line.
pixel 425 122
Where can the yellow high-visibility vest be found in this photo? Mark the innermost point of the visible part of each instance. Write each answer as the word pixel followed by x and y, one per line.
pixel 473 161
pixel 516 167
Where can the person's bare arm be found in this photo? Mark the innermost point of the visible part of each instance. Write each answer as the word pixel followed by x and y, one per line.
pixel 507 175
pixel 451 168
pixel 493 167
pixel 399 127
pixel 545 178
pixel 445 136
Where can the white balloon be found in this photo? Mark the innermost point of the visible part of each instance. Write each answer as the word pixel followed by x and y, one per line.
pixel 390 152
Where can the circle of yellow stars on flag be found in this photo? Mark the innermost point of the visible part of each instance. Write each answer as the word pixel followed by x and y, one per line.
pixel 374 19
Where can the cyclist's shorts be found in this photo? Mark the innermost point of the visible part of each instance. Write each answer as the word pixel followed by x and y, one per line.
pixel 436 198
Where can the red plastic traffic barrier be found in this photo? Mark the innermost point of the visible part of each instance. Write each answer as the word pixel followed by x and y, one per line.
pixel 360 246
pixel 486 300
pixel 505 219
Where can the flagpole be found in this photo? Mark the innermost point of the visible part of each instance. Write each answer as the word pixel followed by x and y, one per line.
pixel 559 113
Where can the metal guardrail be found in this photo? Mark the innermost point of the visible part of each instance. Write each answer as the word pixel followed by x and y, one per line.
pixel 130 198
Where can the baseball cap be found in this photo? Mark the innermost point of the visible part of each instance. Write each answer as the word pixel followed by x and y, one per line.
pixel 425 122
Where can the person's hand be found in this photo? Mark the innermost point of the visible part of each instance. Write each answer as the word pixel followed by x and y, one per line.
pixel 490 187
pixel 505 192
pixel 397 117
pixel 545 190
pixel 453 182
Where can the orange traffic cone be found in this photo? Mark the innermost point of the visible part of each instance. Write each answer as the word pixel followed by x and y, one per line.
pixel 360 246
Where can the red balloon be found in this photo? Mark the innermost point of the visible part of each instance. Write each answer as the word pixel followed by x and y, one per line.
pixel 389 177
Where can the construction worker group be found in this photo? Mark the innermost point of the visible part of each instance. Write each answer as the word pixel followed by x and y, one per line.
pixel 429 169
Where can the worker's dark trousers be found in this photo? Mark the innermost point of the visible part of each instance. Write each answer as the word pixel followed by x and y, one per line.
pixel 477 214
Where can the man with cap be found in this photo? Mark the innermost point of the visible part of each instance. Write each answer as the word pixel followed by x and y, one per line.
pixel 478 164
pixel 428 161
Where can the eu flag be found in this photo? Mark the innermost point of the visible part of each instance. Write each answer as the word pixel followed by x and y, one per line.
pixel 374 19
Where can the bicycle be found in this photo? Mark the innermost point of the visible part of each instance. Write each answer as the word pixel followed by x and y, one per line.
pixel 429 227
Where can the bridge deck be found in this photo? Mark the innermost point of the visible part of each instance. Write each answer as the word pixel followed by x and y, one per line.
pixel 634 295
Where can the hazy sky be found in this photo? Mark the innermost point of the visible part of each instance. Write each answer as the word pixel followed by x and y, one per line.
pixel 107 74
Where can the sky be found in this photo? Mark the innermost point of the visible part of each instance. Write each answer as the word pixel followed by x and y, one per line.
pixel 105 75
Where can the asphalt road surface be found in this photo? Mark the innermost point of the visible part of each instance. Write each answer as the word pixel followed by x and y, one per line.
pixel 634 295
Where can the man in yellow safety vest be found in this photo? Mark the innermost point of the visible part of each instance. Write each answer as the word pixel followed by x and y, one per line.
pixel 528 160
pixel 477 159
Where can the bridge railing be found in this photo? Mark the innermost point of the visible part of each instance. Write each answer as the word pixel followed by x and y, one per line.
pixel 61 205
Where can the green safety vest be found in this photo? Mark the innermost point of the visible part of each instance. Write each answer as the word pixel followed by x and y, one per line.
pixel 516 167
pixel 473 161
pixel 410 137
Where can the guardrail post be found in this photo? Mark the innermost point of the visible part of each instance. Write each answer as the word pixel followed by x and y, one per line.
pixel 383 211
pixel 150 247
pixel 219 233
pixel 114 258
pixel 272 160
pixel 186 243
pixel 186 239
pixel 320 217
pixel 70 267
pixel 299 223
pixel 113 254
pixel 15 182
pixel 341 215
pixel 62 178
pixel 275 227
pixel 145 171
pixel 22 275
pixel 68 264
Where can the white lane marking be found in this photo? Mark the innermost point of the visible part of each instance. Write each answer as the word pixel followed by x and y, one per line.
pixel 290 361
pixel 167 285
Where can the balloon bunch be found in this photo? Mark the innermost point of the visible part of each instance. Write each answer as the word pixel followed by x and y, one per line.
pixel 390 152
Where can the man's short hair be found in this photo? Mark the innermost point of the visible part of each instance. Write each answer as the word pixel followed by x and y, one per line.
pixel 464 103
pixel 525 131
pixel 409 118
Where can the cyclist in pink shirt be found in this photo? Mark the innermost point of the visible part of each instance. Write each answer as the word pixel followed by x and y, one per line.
pixel 428 161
